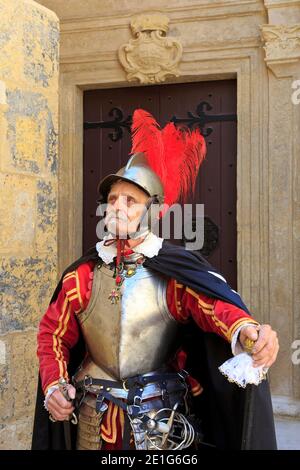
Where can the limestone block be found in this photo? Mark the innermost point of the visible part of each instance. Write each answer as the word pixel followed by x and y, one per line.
pixel 16 436
pixel 46 217
pixel 18 376
pixel 31 133
pixel 23 364
pixel 6 404
pixel 26 286
pixel 10 41
pixel 17 214
pixel 28 207
pixel 40 45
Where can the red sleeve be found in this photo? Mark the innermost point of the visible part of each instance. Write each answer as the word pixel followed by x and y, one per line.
pixel 59 329
pixel 211 315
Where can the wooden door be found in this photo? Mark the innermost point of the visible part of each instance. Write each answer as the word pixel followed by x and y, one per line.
pixel 209 105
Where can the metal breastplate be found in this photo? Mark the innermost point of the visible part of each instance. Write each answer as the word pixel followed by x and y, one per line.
pixel 136 335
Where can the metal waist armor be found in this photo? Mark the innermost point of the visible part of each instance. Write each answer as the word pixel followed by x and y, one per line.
pixel 136 335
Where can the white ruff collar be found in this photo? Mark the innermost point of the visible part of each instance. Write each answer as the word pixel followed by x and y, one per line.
pixel 149 247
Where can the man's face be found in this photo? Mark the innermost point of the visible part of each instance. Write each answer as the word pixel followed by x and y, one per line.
pixel 126 203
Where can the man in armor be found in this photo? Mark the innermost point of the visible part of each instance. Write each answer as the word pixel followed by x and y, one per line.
pixel 132 343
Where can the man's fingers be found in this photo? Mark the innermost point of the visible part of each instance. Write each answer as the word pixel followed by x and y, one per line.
pixel 262 362
pixel 59 416
pixel 263 337
pixel 266 348
pixel 59 407
pixel 58 413
pixel 263 356
pixel 53 406
pixel 271 342
pixel 266 351
pixel 63 403
pixel 268 354
pixel 60 400
pixel 250 332
pixel 71 391
pixel 273 358
pixel 266 361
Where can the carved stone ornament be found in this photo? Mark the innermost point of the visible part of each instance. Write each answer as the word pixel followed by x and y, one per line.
pixel 151 56
pixel 281 42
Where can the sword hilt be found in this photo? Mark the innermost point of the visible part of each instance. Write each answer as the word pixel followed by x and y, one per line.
pixel 63 387
pixel 248 345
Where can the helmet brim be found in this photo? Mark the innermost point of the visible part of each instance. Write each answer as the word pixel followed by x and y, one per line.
pixel 105 184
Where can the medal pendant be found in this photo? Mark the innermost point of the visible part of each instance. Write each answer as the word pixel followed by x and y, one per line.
pixel 130 272
pixel 114 296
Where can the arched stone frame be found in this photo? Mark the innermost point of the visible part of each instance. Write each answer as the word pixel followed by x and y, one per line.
pixel 263 92
pixel 242 64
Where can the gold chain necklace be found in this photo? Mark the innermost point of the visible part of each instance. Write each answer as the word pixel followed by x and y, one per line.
pixel 121 273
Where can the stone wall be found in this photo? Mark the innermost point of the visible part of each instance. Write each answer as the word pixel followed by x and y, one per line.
pixel 29 35
pixel 254 41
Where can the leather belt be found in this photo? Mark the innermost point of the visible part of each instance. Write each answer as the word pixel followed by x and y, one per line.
pixel 166 385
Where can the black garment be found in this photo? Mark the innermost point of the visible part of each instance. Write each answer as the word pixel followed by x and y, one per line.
pixel 222 405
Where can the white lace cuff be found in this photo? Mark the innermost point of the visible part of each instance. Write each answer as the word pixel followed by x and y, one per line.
pixel 239 369
pixel 48 395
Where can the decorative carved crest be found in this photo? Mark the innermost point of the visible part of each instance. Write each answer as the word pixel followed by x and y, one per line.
pixel 151 56
pixel 281 42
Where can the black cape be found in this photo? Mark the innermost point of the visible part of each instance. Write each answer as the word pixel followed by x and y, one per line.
pixel 232 417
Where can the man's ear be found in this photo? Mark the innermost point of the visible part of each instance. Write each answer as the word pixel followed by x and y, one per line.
pixel 157 208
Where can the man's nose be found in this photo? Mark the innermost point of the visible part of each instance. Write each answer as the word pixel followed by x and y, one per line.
pixel 120 203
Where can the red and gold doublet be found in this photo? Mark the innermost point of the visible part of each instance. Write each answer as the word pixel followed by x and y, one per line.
pixel 59 331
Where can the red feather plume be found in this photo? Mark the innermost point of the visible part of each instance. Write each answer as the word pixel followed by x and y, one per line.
pixel 174 154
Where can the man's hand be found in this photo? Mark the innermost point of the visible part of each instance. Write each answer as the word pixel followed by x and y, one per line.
pixel 266 345
pixel 59 407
